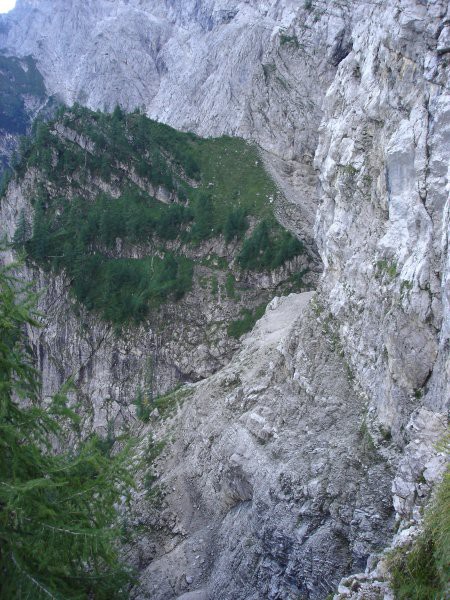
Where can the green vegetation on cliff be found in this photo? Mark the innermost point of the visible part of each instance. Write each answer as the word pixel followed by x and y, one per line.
pixel 423 570
pixel 122 204
pixel 238 327
pixel 58 520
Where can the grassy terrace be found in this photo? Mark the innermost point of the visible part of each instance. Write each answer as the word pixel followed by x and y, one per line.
pixel 99 179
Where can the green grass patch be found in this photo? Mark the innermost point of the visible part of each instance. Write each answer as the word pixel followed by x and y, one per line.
pixel 168 403
pixel 214 286
pixel 237 328
pixel 386 267
pixel 423 571
pixel 230 284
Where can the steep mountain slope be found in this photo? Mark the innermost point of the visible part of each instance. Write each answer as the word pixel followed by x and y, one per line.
pixel 151 243
pixel 254 69
pixel 324 438
pixel 272 486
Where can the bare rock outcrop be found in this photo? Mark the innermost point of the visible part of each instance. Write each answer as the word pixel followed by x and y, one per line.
pixel 287 469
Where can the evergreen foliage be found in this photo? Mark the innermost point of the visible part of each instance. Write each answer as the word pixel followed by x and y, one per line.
pixel 57 510
pixel 210 188
pixel 268 249
pixel 423 571
pixel 22 233
pixel 143 406
pixel 126 289
pixel 236 225
pixel 204 218
pixel 77 240
pixel 238 327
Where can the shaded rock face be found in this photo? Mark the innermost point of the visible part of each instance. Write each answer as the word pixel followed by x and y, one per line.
pixel 22 98
pixel 287 468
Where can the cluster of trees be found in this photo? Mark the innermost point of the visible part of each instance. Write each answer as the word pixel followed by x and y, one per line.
pixel 133 217
pixel 208 222
pixel 40 154
pixel 157 152
pixel 235 225
pixel 124 290
pixel 76 235
pixel 268 248
pixel 58 520
pixel 70 236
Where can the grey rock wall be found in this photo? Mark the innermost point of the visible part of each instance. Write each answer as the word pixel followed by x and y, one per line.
pixel 288 468
pixel 384 160
pixel 272 486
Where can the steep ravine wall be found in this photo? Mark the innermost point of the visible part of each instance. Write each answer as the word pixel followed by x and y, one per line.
pixel 383 232
pixel 284 471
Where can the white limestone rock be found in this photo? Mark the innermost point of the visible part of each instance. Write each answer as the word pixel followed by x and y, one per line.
pixel 352 110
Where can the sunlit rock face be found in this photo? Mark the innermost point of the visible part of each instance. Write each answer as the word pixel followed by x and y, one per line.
pixel 287 469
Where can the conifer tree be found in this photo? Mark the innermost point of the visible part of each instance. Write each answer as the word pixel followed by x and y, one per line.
pixel 58 538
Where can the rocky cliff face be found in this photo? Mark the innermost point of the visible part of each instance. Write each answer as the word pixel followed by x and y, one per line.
pixel 254 69
pixel 287 469
pixel 279 489
pixel 383 160
pixel 22 98
pixel 186 337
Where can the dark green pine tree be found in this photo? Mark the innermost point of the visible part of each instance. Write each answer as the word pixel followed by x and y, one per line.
pixel 58 538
